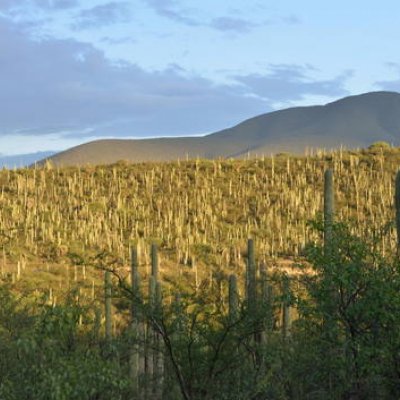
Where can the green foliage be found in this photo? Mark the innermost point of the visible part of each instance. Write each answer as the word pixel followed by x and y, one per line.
pixel 343 344
pixel 379 145
pixel 348 325
pixel 46 355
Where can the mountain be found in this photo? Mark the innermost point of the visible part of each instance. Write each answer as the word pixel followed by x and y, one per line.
pixel 355 121
pixel 21 160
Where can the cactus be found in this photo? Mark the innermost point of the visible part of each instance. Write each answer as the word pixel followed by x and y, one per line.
pixel 159 354
pixel 286 314
pixel 266 299
pixel 233 298
pixel 150 353
pixel 135 278
pixel 18 270
pixel 196 276
pixel 251 292
pixel 154 261
pixel 397 205
pixel 328 209
pixel 154 356
pixel 107 295
pixel 135 321
pixel 158 303
pixel 152 293
pixel 265 289
pixel 97 324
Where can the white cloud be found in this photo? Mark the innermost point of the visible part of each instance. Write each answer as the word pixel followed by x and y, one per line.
pixel 17 144
pixel 69 85
pixel 102 15
pixel 65 92
pixel 292 82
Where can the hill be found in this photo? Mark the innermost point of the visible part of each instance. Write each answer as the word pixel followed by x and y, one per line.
pixel 62 227
pixel 20 160
pixel 355 121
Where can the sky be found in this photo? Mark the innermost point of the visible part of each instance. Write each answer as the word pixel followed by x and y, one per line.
pixel 72 71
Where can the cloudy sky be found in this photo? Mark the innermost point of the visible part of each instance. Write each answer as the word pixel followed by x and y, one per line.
pixel 76 70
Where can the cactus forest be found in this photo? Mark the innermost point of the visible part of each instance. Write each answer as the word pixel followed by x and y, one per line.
pixel 257 279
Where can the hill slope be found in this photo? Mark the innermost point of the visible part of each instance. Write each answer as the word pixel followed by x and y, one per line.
pixel 21 160
pixel 354 121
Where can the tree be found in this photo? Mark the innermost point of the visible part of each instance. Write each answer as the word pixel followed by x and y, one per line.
pixel 358 291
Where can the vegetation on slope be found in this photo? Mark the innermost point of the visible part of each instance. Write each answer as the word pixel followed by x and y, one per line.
pixel 198 211
pixel 344 343
pixel 61 228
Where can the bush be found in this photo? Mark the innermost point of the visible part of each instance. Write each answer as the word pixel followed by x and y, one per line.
pixel 381 145
pixel 45 355
pixel 349 329
pixel 344 344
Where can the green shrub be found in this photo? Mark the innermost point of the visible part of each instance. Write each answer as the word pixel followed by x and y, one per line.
pixel 379 145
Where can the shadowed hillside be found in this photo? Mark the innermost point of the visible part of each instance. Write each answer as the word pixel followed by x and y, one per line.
pixel 354 121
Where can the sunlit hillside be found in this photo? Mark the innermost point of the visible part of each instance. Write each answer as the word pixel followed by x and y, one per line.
pixel 199 212
pixel 167 281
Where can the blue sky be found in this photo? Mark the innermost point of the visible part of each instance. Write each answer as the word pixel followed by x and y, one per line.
pixel 77 70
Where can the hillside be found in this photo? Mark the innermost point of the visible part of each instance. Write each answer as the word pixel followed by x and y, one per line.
pixel 20 160
pixel 355 121
pixel 62 227
pixel 202 209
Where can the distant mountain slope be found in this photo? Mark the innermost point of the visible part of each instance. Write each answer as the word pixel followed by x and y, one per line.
pixel 355 121
pixel 22 160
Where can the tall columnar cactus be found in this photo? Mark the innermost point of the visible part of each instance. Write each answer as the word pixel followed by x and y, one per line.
pixel 397 205
pixel 135 286
pixel 329 321
pixel 135 279
pixel 233 316
pixel 158 299
pixel 150 332
pixel 264 287
pixel 196 276
pixel 159 354
pixel 152 294
pixel 97 324
pixel 108 295
pixel 267 301
pixel 176 335
pixel 155 360
pixel 328 209
pixel 251 291
pixel 286 312
pixel 135 371
pixel 233 298
pixel 154 261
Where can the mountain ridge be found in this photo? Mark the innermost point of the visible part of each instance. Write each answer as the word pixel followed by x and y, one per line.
pixel 353 121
